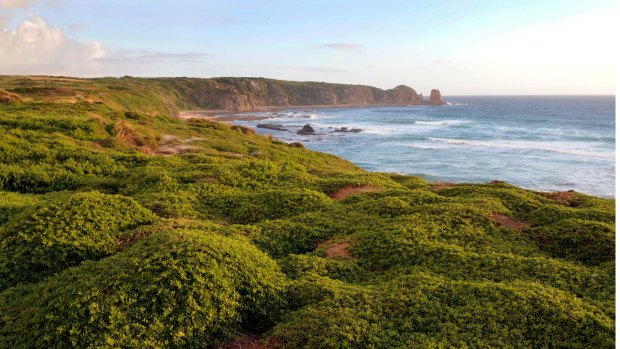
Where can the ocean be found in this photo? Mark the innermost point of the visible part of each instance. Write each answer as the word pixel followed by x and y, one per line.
pixel 546 143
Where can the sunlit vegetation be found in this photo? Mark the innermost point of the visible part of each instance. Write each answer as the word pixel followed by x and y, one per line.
pixel 108 241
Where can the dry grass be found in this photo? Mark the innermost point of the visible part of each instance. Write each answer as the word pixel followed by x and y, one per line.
pixel 9 97
pixel 129 135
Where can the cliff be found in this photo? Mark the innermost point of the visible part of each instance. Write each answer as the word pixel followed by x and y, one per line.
pixel 245 94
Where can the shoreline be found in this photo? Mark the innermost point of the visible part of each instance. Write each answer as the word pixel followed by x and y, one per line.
pixel 226 114
pixel 231 117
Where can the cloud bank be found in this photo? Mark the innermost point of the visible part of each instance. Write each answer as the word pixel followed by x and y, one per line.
pixel 36 47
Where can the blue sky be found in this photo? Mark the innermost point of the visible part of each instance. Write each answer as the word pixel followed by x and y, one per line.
pixel 461 47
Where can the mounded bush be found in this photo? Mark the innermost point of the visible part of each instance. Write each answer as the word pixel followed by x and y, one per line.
pixel 297 266
pixel 519 201
pixel 421 311
pixel 549 214
pixel 50 238
pixel 280 237
pixel 585 241
pixel 13 203
pixel 273 204
pixel 175 289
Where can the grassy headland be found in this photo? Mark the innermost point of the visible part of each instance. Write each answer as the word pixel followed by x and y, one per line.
pixel 123 226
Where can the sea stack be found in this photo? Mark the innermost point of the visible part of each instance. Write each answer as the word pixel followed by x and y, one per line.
pixel 435 98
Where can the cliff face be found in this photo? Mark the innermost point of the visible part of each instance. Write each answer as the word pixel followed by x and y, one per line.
pixel 245 94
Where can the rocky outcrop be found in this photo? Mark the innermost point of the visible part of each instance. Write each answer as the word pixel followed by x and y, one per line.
pixel 402 95
pixel 306 130
pixel 346 129
pixel 435 98
pixel 274 127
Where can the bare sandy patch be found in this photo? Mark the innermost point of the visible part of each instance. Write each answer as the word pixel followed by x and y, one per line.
pixel 501 220
pixel 441 185
pixel 336 249
pixel 347 191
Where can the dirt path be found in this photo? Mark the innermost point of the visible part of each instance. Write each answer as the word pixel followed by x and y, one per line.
pixel 501 220
pixel 347 191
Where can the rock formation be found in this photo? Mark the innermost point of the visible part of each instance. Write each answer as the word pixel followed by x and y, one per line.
pixel 306 130
pixel 275 127
pixel 346 129
pixel 435 98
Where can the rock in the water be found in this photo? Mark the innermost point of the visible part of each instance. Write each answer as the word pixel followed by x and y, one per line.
pixel 435 98
pixel 272 127
pixel 306 130
pixel 346 129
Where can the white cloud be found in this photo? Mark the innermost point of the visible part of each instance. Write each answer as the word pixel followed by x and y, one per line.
pixel 35 47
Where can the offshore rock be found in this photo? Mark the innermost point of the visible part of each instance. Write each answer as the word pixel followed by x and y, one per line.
pixel 306 130
pixel 275 127
pixel 435 98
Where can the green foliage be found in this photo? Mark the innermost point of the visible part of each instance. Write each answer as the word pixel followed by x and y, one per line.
pixel 281 237
pixel 517 200
pixel 58 235
pixel 421 311
pixel 269 204
pixel 173 289
pixel 586 241
pixel 13 203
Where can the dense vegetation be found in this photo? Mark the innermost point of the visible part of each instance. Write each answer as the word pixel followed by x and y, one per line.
pixel 121 226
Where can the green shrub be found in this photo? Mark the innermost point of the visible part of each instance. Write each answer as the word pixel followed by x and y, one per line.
pixel 272 204
pixel 518 201
pixel 421 311
pixel 280 237
pixel 297 266
pixel 58 235
pixel 174 289
pixel 549 214
pixel 13 203
pixel 585 241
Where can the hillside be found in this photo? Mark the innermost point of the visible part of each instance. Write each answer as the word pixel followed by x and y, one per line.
pixel 229 94
pixel 123 226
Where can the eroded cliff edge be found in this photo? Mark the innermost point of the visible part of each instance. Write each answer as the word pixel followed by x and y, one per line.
pixel 246 94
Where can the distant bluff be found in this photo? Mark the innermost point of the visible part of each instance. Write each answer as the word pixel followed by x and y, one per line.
pixel 246 94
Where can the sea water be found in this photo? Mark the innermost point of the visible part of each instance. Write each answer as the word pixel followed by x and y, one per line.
pixel 542 143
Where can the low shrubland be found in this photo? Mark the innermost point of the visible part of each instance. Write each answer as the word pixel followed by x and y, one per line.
pixel 108 241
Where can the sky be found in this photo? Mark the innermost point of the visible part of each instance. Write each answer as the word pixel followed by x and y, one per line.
pixel 475 47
